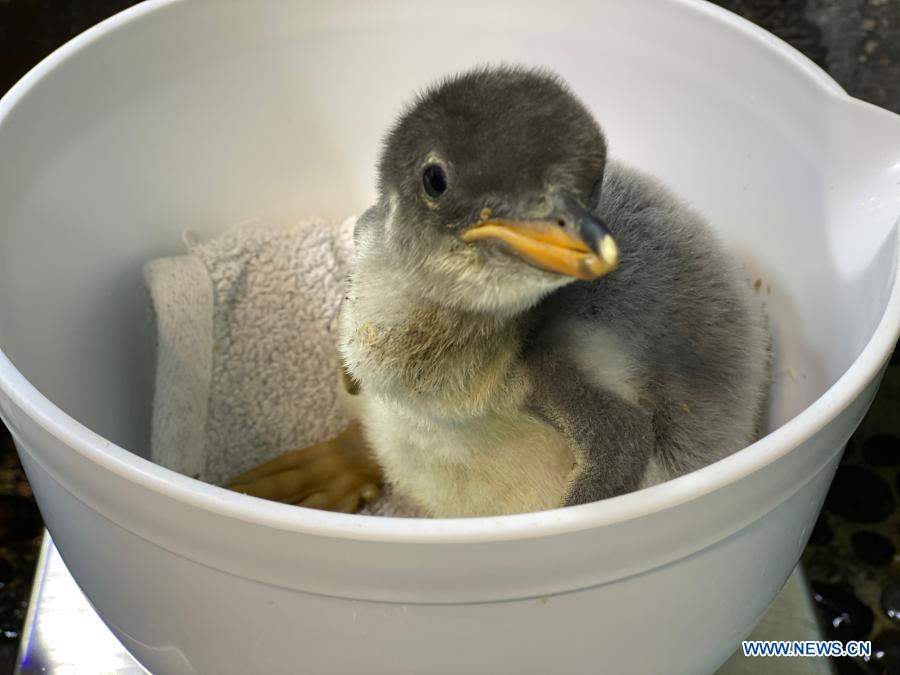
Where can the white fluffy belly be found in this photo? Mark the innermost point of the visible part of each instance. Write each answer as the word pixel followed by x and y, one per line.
pixel 489 465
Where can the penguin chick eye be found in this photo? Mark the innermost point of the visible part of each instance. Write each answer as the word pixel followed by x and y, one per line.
pixel 434 179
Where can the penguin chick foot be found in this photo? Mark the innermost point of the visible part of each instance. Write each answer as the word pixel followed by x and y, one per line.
pixel 336 475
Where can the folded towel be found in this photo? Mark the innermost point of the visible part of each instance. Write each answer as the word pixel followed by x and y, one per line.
pixel 246 358
pixel 247 364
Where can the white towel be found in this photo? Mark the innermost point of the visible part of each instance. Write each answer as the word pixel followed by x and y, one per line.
pixel 246 357
pixel 247 364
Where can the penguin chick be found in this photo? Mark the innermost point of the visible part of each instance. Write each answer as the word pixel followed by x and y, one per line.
pixel 531 326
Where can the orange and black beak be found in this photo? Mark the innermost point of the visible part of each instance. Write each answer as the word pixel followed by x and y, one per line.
pixel 565 238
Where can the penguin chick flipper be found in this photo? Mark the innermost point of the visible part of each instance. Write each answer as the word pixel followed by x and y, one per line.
pixel 612 439
pixel 339 474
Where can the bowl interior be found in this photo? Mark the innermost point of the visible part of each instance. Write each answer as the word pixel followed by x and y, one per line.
pixel 276 110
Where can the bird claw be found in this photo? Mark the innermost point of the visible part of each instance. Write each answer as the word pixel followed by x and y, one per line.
pixel 335 475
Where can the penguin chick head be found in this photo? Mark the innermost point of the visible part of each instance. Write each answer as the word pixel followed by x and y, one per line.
pixel 484 184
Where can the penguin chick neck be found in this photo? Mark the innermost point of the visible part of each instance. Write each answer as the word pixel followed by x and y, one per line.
pixel 405 345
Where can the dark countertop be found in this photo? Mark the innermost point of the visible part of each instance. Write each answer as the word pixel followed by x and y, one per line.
pixel 852 556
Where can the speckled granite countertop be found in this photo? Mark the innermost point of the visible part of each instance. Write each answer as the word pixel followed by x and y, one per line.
pixel 852 558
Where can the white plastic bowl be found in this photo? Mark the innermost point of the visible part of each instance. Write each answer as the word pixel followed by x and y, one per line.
pixel 194 115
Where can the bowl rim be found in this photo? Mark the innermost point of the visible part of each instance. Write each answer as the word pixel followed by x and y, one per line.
pixel 217 500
